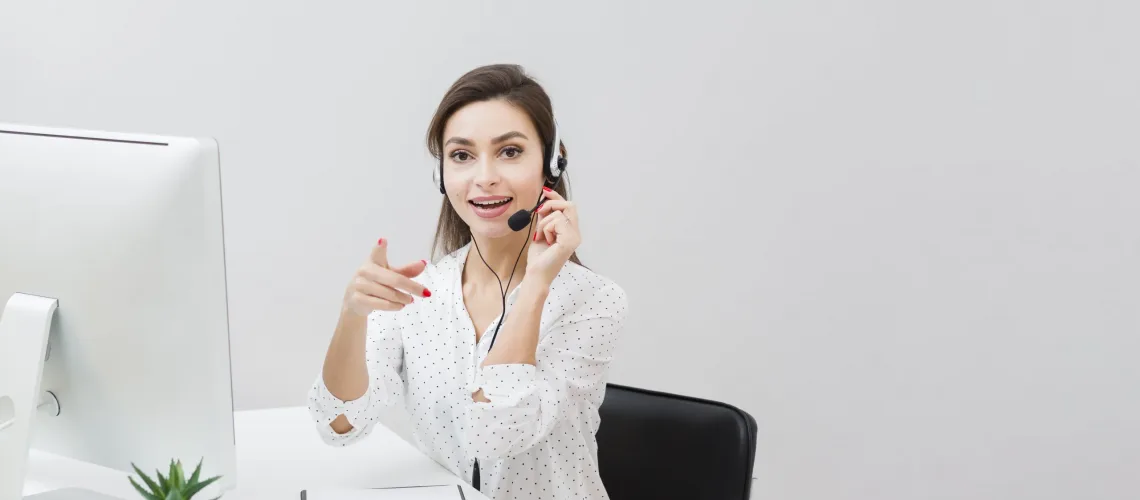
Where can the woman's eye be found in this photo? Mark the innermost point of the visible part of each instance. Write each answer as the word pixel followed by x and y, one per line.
pixel 512 151
pixel 460 156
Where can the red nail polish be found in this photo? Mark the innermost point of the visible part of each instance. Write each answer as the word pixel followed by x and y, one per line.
pixel 535 236
pixel 424 261
pixel 544 188
pixel 380 241
pixel 427 293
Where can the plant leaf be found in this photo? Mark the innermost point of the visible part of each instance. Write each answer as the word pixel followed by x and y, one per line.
pixel 175 494
pixel 195 488
pixel 149 482
pixel 164 483
pixel 146 494
pixel 175 476
pixel 194 476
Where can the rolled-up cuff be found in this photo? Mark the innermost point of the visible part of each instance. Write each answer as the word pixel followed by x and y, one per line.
pixel 352 410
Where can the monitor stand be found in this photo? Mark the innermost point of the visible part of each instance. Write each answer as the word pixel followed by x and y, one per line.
pixel 25 324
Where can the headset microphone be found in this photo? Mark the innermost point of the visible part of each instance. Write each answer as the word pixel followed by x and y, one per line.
pixel 521 219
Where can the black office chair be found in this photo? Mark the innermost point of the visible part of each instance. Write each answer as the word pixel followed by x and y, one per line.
pixel 653 445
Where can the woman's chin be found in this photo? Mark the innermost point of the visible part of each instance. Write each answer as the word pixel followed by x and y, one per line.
pixel 488 230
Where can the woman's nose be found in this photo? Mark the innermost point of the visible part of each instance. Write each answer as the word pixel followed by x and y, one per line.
pixel 486 173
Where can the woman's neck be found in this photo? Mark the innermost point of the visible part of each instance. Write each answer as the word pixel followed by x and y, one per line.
pixel 500 254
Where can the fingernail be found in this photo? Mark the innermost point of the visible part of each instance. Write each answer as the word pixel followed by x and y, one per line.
pixel 424 261
pixel 380 241
pixel 540 206
pixel 535 236
pixel 427 293
pixel 544 188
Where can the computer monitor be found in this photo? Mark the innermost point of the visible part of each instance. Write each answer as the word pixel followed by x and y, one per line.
pixel 113 312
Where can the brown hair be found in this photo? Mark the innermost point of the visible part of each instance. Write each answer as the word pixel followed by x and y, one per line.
pixel 510 83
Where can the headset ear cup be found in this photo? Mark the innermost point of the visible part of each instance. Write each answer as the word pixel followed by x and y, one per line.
pixel 556 172
pixel 555 175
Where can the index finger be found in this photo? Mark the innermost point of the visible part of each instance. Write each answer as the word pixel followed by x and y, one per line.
pixel 551 194
pixel 393 279
pixel 380 253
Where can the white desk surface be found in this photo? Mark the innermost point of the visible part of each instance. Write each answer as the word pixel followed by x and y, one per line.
pixel 278 454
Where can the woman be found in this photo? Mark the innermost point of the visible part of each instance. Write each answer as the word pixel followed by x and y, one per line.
pixel 511 404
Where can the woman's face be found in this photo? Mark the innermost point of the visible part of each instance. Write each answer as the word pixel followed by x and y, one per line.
pixel 492 165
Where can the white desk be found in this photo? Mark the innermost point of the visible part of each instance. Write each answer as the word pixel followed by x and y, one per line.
pixel 278 454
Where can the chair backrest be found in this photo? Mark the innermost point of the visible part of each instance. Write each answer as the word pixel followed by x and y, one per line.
pixel 658 445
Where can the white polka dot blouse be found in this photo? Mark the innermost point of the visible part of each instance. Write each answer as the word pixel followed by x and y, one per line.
pixel 535 438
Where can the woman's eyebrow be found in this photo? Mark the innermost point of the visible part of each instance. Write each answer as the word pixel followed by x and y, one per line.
pixel 460 141
pixel 509 135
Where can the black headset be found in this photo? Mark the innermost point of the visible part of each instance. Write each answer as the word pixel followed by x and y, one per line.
pixel 553 166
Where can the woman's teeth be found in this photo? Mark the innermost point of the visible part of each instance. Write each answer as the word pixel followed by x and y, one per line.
pixel 490 204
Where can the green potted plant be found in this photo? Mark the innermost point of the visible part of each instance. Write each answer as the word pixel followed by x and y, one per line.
pixel 174 486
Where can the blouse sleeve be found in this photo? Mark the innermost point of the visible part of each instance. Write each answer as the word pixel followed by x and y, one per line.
pixel 568 382
pixel 384 355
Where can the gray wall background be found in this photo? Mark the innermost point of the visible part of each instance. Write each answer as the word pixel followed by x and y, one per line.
pixel 903 235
